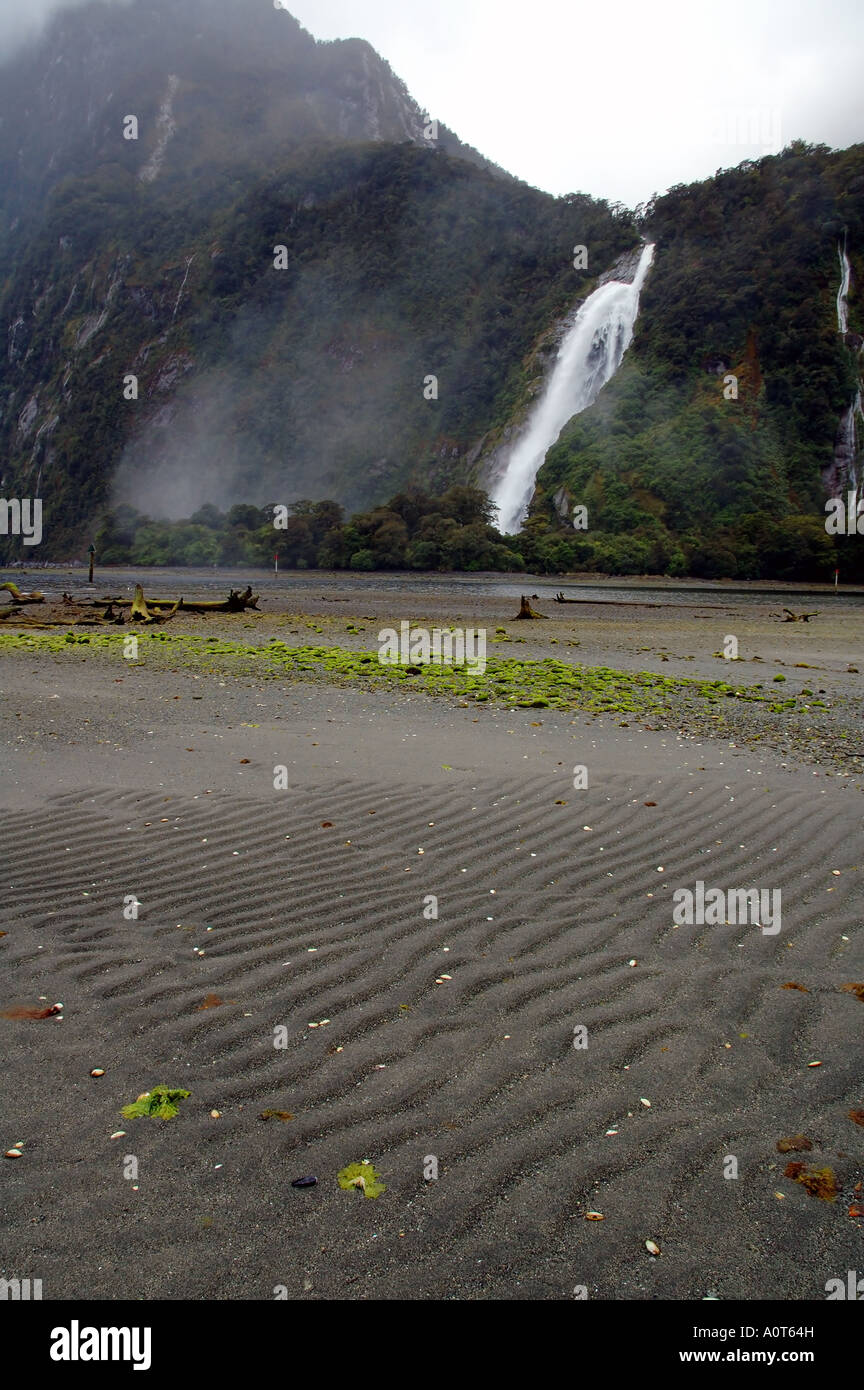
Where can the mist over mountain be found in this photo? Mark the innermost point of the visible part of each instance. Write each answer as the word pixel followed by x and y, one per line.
pixel 239 265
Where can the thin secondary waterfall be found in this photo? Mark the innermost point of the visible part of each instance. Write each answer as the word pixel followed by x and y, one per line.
pixel 844 472
pixel 843 292
pixel 589 356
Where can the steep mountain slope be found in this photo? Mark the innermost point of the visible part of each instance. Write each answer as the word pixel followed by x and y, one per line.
pixel 157 260
pixel 293 285
pixel 219 90
pixel 678 463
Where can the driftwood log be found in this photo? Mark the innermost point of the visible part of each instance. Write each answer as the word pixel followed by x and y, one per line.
pixel 18 597
pixel 796 617
pixel 234 603
pixel 89 612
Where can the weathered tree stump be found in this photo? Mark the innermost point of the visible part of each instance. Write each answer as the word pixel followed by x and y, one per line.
pixel 525 609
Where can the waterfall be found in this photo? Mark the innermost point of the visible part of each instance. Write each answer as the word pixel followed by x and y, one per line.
pixel 589 356
pixel 843 473
pixel 843 470
pixel 843 292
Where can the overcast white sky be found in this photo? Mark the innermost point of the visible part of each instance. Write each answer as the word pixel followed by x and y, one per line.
pixel 621 100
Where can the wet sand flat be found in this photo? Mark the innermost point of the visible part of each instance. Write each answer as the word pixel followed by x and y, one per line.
pixel 449 1037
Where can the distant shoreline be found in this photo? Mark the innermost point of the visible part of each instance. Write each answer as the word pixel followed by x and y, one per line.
pixel 513 581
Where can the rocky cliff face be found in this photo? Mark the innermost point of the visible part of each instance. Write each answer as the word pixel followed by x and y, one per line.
pixel 214 86
pixel 153 156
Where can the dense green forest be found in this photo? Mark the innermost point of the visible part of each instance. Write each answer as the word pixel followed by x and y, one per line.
pixel 453 531
pixel 163 359
pixel 258 374
pixel 676 473
pixel 401 265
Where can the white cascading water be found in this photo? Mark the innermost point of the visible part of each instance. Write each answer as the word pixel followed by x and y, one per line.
pixel 844 472
pixel 589 356
pixel 843 292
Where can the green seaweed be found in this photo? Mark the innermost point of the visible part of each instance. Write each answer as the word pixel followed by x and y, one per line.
pixel 158 1104
pixel 363 1177
pixel 508 682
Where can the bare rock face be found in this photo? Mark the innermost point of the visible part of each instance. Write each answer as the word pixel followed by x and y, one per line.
pixel 225 81
pixel 561 500
pixel 624 269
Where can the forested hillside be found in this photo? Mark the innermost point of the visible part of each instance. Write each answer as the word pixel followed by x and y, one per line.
pixel 677 473
pixel 261 376
pixel 295 287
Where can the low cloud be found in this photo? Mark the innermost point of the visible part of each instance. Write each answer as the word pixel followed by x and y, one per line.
pixel 20 22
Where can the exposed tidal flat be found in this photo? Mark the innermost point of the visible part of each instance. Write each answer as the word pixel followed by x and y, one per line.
pixel 446 1035
pixel 646 649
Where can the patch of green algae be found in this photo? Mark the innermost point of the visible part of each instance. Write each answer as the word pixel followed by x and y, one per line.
pixel 530 684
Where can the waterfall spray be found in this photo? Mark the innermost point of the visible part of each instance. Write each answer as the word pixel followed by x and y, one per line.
pixel 589 356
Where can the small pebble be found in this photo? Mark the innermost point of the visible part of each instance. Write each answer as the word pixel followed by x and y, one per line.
pixel 304 1182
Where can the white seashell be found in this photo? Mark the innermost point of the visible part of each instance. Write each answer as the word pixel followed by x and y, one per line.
pixel 652 1247
pixel 119 1134
pixel 98 1071
pixel 12 1153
